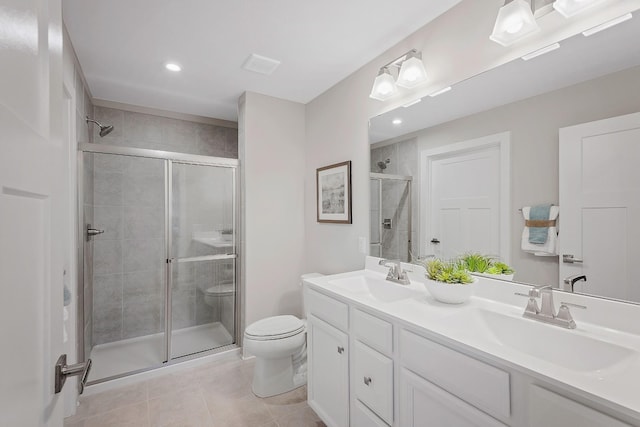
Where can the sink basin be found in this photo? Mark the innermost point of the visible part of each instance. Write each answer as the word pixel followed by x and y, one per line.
pixel 374 288
pixel 566 348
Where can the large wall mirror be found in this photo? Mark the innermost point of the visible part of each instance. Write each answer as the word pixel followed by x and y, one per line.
pixel 453 173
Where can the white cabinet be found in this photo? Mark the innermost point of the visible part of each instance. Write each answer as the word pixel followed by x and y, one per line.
pixel 328 372
pixel 422 404
pixel 549 409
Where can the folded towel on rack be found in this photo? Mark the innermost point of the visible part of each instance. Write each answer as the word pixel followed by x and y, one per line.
pixel 550 246
pixel 538 230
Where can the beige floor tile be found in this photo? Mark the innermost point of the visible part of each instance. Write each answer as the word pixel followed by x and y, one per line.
pixel 244 411
pixel 287 403
pixel 303 418
pixel 173 382
pixel 126 416
pixel 185 408
pixel 112 399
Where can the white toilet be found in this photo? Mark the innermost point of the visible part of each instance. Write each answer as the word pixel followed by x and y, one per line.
pixel 279 344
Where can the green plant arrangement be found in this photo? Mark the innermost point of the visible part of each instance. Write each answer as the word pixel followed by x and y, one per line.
pixel 478 263
pixel 448 272
pixel 500 268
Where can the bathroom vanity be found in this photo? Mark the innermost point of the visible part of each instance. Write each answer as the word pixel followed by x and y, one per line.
pixel 382 354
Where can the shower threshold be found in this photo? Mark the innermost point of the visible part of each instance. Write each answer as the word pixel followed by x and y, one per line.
pixel 135 354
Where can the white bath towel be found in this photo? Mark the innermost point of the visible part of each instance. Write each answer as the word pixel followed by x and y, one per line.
pixel 550 247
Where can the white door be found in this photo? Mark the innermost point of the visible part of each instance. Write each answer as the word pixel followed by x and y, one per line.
pixel 467 191
pixel 600 205
pixel 33 211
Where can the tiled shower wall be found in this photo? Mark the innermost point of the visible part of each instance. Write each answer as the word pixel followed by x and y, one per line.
pixel 128 299
pixel 403 160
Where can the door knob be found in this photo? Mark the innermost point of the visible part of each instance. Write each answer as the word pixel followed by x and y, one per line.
pixel 340 350
pixel 367 380
pixel 569 259
pixel 435 241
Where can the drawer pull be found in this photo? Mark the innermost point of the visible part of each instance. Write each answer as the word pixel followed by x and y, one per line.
pixel 367 380
pixel 340 350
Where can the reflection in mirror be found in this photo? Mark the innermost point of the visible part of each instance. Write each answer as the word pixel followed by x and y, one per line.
pixel 589 79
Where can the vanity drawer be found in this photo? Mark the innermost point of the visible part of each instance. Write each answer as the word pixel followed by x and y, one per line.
pixel 375 332
pixel 363 417
pixel 478 383
pixel 373 380
pixel 330 310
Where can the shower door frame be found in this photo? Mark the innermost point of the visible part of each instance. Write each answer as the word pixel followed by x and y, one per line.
pixel 380 177
pixel 169 158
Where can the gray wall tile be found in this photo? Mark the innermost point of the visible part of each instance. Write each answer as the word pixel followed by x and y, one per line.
pixel 107 257
pixel 143 254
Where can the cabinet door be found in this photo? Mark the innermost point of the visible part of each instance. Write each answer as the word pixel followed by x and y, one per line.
pixel 548 409
pixel 328 373
pixel 423 404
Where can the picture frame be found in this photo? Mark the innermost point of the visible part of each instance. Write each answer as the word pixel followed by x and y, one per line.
pixel 333 193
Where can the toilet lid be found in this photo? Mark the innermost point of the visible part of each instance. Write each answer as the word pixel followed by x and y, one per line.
pixel 275 327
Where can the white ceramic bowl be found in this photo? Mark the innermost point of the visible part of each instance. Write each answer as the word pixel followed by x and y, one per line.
pixel 450 293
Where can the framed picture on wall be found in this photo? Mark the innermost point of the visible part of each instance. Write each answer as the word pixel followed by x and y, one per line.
pixel 333 187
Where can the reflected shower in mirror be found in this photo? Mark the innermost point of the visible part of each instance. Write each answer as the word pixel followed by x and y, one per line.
pixel 588 79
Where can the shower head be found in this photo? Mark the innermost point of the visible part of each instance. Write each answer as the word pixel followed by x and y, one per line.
pixel 104 129
pixel 383 165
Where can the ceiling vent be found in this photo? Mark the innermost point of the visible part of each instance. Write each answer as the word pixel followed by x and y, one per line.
pixel 260 64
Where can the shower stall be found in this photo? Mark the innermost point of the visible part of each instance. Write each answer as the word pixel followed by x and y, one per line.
pixel 390 216
pixel 159 257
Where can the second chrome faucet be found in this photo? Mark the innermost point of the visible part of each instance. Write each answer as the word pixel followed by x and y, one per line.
pixel 395 275
pixel 547 311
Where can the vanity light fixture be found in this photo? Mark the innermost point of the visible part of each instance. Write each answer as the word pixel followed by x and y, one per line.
pixel 384 86
pixel 542 51
pixel 569 8
pixel 515 21
pixel 608 24
pixel 410 72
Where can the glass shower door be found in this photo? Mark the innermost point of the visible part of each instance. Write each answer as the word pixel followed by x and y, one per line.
pixel 202 258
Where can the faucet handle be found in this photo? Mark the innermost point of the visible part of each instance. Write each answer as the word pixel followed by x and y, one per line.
pixel 565 315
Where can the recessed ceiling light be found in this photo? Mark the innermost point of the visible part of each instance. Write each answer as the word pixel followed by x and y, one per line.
pixel 172 66
pixel 397 121
pixel 608 24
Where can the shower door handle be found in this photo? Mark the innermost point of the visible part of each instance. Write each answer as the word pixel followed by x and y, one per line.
pixel 62 371
pixel 92 232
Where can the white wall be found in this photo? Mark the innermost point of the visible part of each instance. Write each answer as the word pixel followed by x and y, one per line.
pixel 455 46
pixel 271 151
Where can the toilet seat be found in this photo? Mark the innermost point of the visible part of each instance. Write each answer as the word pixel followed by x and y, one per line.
pixel 275 328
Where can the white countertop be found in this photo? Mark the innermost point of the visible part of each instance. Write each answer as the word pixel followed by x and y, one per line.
pixel 618 386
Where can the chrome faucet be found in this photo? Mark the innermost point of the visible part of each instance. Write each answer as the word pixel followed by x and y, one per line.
pixel 547 311
pixel 395 275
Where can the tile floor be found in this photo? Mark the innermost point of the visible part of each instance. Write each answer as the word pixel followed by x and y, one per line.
pixel 213 395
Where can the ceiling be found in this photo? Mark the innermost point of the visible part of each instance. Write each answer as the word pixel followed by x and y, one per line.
pixel 579 59
pixel 122 46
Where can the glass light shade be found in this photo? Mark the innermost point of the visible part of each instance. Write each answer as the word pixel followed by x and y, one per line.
pixel 384 86
pixel 412 73
pixel 515 21
pixel 569 8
